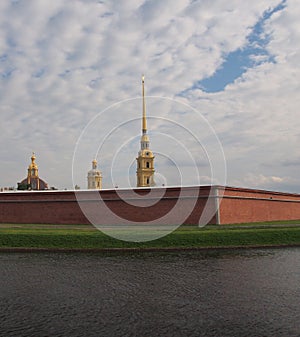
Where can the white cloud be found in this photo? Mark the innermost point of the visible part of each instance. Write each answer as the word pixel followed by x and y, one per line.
pixel 261 180
pixel 63 62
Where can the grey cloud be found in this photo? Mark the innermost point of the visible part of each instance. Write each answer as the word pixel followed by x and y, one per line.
pixel 67 61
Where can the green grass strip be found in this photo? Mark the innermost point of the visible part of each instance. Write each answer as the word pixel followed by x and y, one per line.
pixel 181 238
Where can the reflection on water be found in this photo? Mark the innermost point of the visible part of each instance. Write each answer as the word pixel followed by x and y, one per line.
pixel 220 293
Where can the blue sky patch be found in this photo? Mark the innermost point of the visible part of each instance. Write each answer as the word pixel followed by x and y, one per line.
pixel 237 62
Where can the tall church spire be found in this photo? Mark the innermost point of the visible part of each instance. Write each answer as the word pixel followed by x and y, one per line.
pixel 144 122
pixel 145 159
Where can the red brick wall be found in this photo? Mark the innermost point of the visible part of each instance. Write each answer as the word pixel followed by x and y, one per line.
pixel 61 207
pixel 254 193
pixel 245 205
pixel 40 207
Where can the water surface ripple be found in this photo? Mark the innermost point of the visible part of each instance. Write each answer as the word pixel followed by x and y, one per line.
pixel 219 293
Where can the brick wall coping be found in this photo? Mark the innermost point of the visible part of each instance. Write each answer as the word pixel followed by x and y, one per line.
pixel 169 193
pixel 251 190
pixel 142 191
pixel 106 190
pixel 259 198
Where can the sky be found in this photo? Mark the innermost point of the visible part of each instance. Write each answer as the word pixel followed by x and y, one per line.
pixel 222 81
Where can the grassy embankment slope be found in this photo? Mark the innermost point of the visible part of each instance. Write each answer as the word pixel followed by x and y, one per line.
pixel 86 237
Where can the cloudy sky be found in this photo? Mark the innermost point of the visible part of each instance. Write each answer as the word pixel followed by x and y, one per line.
pixel 222 83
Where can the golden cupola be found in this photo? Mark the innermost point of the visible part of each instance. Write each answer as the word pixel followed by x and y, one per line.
pixel 33 181
pixel 33 170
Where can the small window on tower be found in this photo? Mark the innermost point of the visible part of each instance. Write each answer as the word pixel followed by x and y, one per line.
pixel 147 164
pixel 147 181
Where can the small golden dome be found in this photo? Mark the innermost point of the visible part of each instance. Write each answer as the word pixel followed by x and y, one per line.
pixel 33 164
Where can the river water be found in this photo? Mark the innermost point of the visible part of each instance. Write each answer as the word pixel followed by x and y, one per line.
pixel 217 293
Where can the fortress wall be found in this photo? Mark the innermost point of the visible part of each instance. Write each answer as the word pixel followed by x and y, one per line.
pixel 255 193
pixel 245 205
pixel 40 208
pixel 173 205
pixel 61 207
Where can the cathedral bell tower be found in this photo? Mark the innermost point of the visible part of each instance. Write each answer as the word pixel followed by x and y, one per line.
pixel 33 174
pixel 94 177
pixel 145 160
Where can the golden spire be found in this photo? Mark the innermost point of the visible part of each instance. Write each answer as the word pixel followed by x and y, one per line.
pixel 144 123
pixel 145 160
